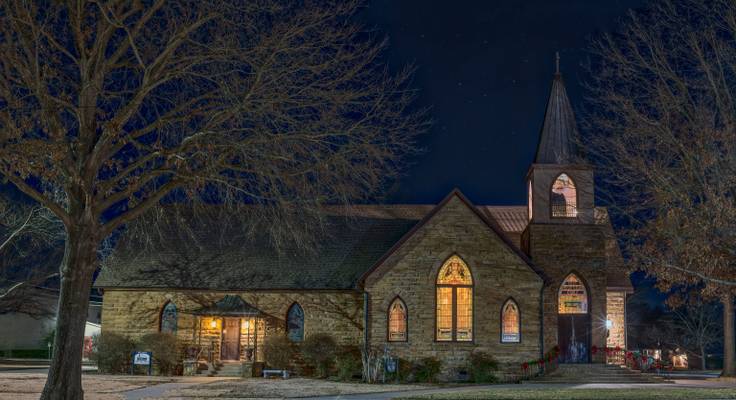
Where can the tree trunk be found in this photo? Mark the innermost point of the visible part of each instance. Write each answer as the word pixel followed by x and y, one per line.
pixel 729 338
pixel 702 358
pixel 80 260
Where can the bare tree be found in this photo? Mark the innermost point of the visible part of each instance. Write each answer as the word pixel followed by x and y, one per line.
pixel 663 128
pixel 30 237
pixel 697 328
pixel 124 105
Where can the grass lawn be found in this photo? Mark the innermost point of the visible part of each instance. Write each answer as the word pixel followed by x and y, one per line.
pixel 585 394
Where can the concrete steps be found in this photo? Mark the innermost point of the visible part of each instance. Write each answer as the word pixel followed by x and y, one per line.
pixel 596 373
pixel 226 369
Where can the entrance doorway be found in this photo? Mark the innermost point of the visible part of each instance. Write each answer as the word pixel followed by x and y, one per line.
pixel 573 321
pixel 230 349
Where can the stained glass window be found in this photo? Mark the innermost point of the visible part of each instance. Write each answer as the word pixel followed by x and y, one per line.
pixel 295 323
pixel 397 321
pixel 168 318
pixel 510 323
pixel 454 301
pixel 454 272
pixel 572 297
pixel 563 198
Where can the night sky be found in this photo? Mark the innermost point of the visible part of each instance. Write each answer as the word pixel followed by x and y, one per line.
pixel 485 68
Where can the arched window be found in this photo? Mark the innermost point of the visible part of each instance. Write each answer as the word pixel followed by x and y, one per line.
pixel 397 317
pixel 564 198
pixel 510 322
pixel 529 201
pixel 572 297
pixel 168 321
pixel 454 301
pixel 295 323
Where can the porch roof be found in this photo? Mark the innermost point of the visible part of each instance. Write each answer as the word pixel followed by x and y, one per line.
pixel 230 305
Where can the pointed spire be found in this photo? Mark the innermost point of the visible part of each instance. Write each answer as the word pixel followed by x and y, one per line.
pixel 557 141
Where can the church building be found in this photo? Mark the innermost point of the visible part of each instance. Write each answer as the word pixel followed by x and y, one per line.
pixel 414 281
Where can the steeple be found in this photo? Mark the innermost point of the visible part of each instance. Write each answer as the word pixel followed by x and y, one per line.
pixel 557 141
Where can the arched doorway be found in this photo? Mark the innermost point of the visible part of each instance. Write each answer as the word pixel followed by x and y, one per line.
pixel 573 320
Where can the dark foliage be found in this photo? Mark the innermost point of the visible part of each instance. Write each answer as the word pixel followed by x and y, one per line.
pixel 427 369
pixel 483 367
pixel 111 352
pixel 319 350
pixel 164 348
pixel 348 363
pixel 278 351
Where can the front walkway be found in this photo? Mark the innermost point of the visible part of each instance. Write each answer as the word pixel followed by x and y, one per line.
pixel 318 389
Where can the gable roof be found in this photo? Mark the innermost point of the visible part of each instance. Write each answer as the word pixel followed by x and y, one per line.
pixel 357 239
pixel 209 258
pixel 490 223
pixel 230 305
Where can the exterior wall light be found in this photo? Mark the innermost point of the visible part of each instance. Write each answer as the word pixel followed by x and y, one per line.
pixel 213 323
pixel 609 324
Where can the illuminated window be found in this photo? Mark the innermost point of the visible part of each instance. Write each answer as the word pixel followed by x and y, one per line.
pixel 397 321
pixel 168 318
pixel 295 323
pixel 529 201
pixel 454 301
pixel 572 298
pixel 563 198
pixel 510 323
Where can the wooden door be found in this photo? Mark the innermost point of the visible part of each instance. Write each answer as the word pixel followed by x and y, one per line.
pixel 573 336
pixel 230 339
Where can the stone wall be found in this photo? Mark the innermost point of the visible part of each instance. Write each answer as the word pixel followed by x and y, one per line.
pixel 136 312
pixel 564 248
pixel 616 312
pixel 498 274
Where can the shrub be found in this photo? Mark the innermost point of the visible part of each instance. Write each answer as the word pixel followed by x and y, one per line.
pixel 483 367
pixel 25 353
pixel 111 352
pixel 403 371
pixel 319 350
pixel 348 362
pixel 165 351
pixel 278 351
pixel 427 369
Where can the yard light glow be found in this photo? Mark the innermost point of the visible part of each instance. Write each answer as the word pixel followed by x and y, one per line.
pixel 609 324
pixel 213 323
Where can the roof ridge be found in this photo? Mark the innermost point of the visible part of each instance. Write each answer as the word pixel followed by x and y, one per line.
pixel 491 223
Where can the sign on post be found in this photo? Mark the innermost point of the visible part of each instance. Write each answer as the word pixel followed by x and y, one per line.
pixel 142 358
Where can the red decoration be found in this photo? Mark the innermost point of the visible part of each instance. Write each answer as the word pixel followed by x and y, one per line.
pixel 525 366
pixel 594 349
pixel 618 348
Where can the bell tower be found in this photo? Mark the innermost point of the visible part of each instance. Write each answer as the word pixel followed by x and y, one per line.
pixel 563 238
pixel 559 181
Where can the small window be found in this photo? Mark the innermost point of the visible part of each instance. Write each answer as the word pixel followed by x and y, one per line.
pixel 572 297
pixel 295 323
pixel 530 198
pixel 168 318
pixel 397 317
pixel 510 323
pixel 454 302
pixel 563 199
